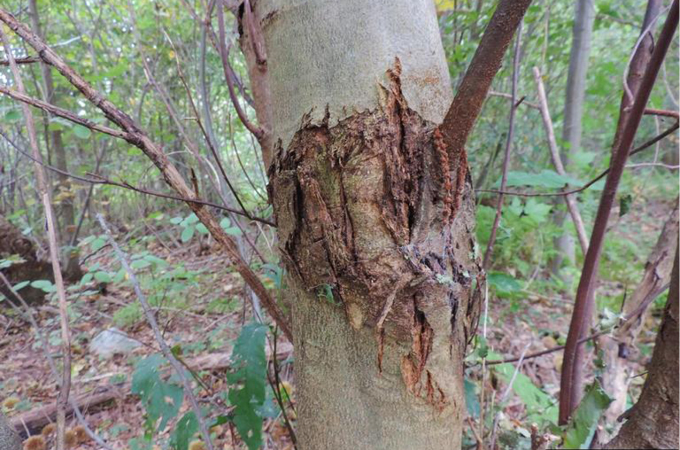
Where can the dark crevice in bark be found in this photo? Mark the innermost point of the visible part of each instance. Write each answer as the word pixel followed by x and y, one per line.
pixel 368 209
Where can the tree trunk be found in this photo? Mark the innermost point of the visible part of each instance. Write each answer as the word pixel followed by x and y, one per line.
pixel 653 421
pixel 65 194
pixel 573 113
pixel 616 379
pixel 375 231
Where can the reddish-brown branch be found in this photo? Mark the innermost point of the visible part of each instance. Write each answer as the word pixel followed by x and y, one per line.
pixel 662 112
pixel 140 139
pixel 224 56
pixel 572 367
pixel 467 104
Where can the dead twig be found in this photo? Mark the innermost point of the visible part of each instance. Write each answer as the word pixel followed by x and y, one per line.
pixel 165 349
pixel 65 383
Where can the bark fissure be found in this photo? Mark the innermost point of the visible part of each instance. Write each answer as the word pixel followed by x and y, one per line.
pixel 367 214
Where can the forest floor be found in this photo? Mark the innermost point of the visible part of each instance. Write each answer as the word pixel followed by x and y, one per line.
pixel 205 316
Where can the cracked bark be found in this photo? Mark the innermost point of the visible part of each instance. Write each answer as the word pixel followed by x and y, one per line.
pixel 375 224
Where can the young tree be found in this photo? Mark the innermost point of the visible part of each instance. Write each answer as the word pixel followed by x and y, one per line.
pixel 584 17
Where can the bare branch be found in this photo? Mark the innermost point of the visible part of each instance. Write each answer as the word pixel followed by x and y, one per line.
pixel 508 145
pixel 557 161
pixel 170 173
pixel 583 308
pixel 65 384
pixel 467 104
pixel 165 349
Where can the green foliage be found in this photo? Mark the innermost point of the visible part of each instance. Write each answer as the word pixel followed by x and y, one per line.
pixel 247 383
pixel 162 400
pixel 582 426
pixel 186 427
pixel 541 407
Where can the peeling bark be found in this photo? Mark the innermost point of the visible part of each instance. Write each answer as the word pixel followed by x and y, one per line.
pixel 368 211
pixel 375 218
pixel 653 421
pixel 616 348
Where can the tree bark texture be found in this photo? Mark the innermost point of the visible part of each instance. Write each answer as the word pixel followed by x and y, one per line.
pixel 617 347
pixel 653 421
pixel 374 228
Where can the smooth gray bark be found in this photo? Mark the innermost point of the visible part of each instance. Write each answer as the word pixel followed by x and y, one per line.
pixel 584 17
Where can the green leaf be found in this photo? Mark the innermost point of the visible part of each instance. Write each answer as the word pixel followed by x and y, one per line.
pixel 12 115
pixel 161 400
pixel 44 285
pixel 186 427
pixel 234 231
pixel 82 132
pixel 541 407
pixel 225 223
pixel 546 179
pixel 247 382
pixel 624 204
pixel 201 228
pixel 503 282
pixel 102 277
pixel 21 285
pixel 581 428
pixel 471 400
pixel 98 243
pixel 140 264
pixel 187 233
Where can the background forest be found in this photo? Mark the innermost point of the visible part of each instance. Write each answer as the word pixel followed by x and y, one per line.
pixel 160 63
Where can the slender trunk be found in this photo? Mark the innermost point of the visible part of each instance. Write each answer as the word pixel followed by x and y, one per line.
pixel 616 379
pixel 376 232
pixel 573 113
pixel 653 421
pixel 64 193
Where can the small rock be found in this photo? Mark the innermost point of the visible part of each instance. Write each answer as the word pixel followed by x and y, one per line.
pixel 112 341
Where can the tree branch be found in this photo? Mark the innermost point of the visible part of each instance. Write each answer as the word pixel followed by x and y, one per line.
pixel 141 140
pixel 572 367
pixel 557 161
pixel 467 104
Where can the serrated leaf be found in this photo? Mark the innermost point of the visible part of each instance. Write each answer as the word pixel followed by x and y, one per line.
pixel 247 382
pixel 581 428
pixel 82 132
